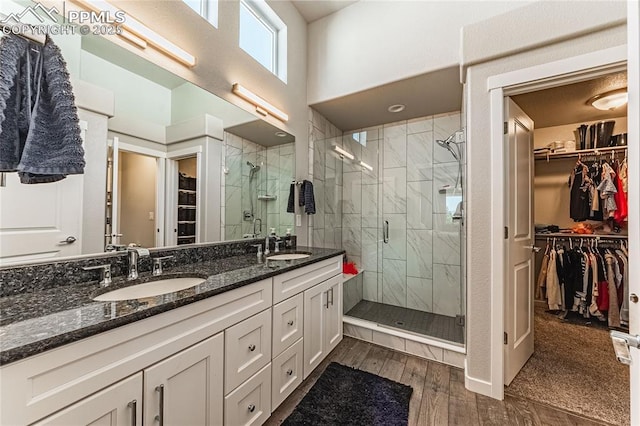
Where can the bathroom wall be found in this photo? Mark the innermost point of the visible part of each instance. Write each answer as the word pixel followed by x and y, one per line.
pixel 325 171
pixel 273 178
pixel 412 185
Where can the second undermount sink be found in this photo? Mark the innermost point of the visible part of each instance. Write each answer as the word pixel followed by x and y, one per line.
pixel 289 256
pixel 150 289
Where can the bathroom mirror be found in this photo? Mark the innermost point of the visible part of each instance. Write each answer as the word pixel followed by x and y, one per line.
pixel 156 174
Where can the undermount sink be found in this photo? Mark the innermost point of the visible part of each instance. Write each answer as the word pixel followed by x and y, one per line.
pixel 150 289
pixel 289 256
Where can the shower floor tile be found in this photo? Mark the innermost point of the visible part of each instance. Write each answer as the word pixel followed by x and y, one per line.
pixel 425 323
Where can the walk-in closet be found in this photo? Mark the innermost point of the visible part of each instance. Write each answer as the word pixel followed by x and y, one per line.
pixel 581 268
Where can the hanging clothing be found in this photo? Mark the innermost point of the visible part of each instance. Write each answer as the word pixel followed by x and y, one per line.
pixel 614 312
pixel 608 190
pixel 39 128
pixel 554 295
pixel 620 198
pixel 579 204
pixel 542 275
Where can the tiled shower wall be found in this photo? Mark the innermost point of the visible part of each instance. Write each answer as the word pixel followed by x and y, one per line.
pixel 325 170
pixel 273 178
pixel 412 187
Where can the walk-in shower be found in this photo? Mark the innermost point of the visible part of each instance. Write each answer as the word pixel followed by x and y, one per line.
pixel 400 222
pixel 253 169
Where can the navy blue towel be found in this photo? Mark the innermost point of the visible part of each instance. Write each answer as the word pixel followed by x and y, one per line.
pixel 306 197
pixel 290 201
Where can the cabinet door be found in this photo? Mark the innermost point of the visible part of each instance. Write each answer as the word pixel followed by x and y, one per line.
pixel 287 323
pixel 186 389
pixel 333 319
pixel 315 307
pixel 247 348
pixel 117 405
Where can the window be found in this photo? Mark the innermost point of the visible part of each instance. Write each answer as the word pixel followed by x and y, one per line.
pixel 263 35
pixel 208 9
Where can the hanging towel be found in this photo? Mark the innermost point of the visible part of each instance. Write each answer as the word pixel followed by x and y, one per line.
pixel 39 126
pixel 290 201
pixel 306 197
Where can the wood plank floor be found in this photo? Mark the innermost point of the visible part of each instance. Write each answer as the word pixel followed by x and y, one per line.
pixel 439 396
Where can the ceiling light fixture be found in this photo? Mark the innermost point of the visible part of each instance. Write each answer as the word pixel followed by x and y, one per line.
pixel 280 134
pixel 343 153
pixel 138 33
pixel 609 100
pixel 366 166
pixel 260 104
pixel 396 108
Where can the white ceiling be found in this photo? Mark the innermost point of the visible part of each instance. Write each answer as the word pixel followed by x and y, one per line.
pixel 312 10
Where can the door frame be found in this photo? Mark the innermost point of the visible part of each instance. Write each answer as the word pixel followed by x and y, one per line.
pixel 160 157
pixel 171 196
pixel 557 73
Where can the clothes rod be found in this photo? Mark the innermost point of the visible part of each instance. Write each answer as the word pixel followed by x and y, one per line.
pixel 600 237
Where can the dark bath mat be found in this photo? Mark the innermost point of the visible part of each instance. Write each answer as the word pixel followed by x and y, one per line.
pixel 346 396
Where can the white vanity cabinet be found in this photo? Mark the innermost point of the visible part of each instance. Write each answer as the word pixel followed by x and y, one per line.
pixel 230 359
pixel 117 405
pixel 322 321
pixel 186 388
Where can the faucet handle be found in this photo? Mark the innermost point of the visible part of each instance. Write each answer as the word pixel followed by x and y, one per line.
pixel 105 273
pixel 157 264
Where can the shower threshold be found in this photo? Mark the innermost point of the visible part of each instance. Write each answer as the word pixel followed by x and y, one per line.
pixel 416 322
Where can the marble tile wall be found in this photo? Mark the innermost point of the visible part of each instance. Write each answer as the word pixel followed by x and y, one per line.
pixel 273 178
pixel 326 173
pixel 413 187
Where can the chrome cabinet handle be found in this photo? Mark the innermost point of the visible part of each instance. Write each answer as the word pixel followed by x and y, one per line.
pixel 134 411
pixel 385 232
pixel 69 240
pixel 252 347
pixel 331 290
pixel 289 372
pixel 160 417
pixel 290 323
pixel 327 304
pixel 251 408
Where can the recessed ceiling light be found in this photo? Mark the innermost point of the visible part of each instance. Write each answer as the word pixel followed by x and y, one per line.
pixel 281 134
pixel 396 108
pixel 609 100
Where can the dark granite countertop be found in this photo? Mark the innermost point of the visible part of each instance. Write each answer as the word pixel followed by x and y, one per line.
pixel 33 322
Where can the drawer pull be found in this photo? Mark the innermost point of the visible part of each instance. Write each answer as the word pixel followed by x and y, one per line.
pixel 252 408
pixel 252 347
pixel 134 411
pixel 290 323
pixel 289 372
pixel 160 417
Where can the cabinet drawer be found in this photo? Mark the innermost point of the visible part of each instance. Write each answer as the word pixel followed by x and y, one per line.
pixel 287 323
pixel 250 404
pixel 247 348
pixel 286 374
pixel 296 281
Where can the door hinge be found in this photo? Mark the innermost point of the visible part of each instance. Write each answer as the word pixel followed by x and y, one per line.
pixel 505 338
pixel 506 232
pixel 506 127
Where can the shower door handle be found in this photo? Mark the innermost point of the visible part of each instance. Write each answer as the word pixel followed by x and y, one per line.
pixel 385 232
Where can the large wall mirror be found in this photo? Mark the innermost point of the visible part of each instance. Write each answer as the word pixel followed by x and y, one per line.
pixel 168 163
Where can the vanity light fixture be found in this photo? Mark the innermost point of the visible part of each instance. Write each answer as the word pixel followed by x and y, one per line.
pixel 366 166
pixel 343 153
pixel 609 100
pixel 139 34
pixel 261 105
pixel 396 108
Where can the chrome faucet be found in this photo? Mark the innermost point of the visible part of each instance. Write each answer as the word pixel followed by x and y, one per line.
pixel 267 240
pixel 134 256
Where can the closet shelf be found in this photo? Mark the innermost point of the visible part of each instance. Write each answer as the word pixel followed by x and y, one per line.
pixel 569 235
pixel 575 154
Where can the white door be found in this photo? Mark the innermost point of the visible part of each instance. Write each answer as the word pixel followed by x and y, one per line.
pixel 186 389
pixel 333 319
pixel 520 277
pixel 315 306
pixel 41 221
pixel 117 405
